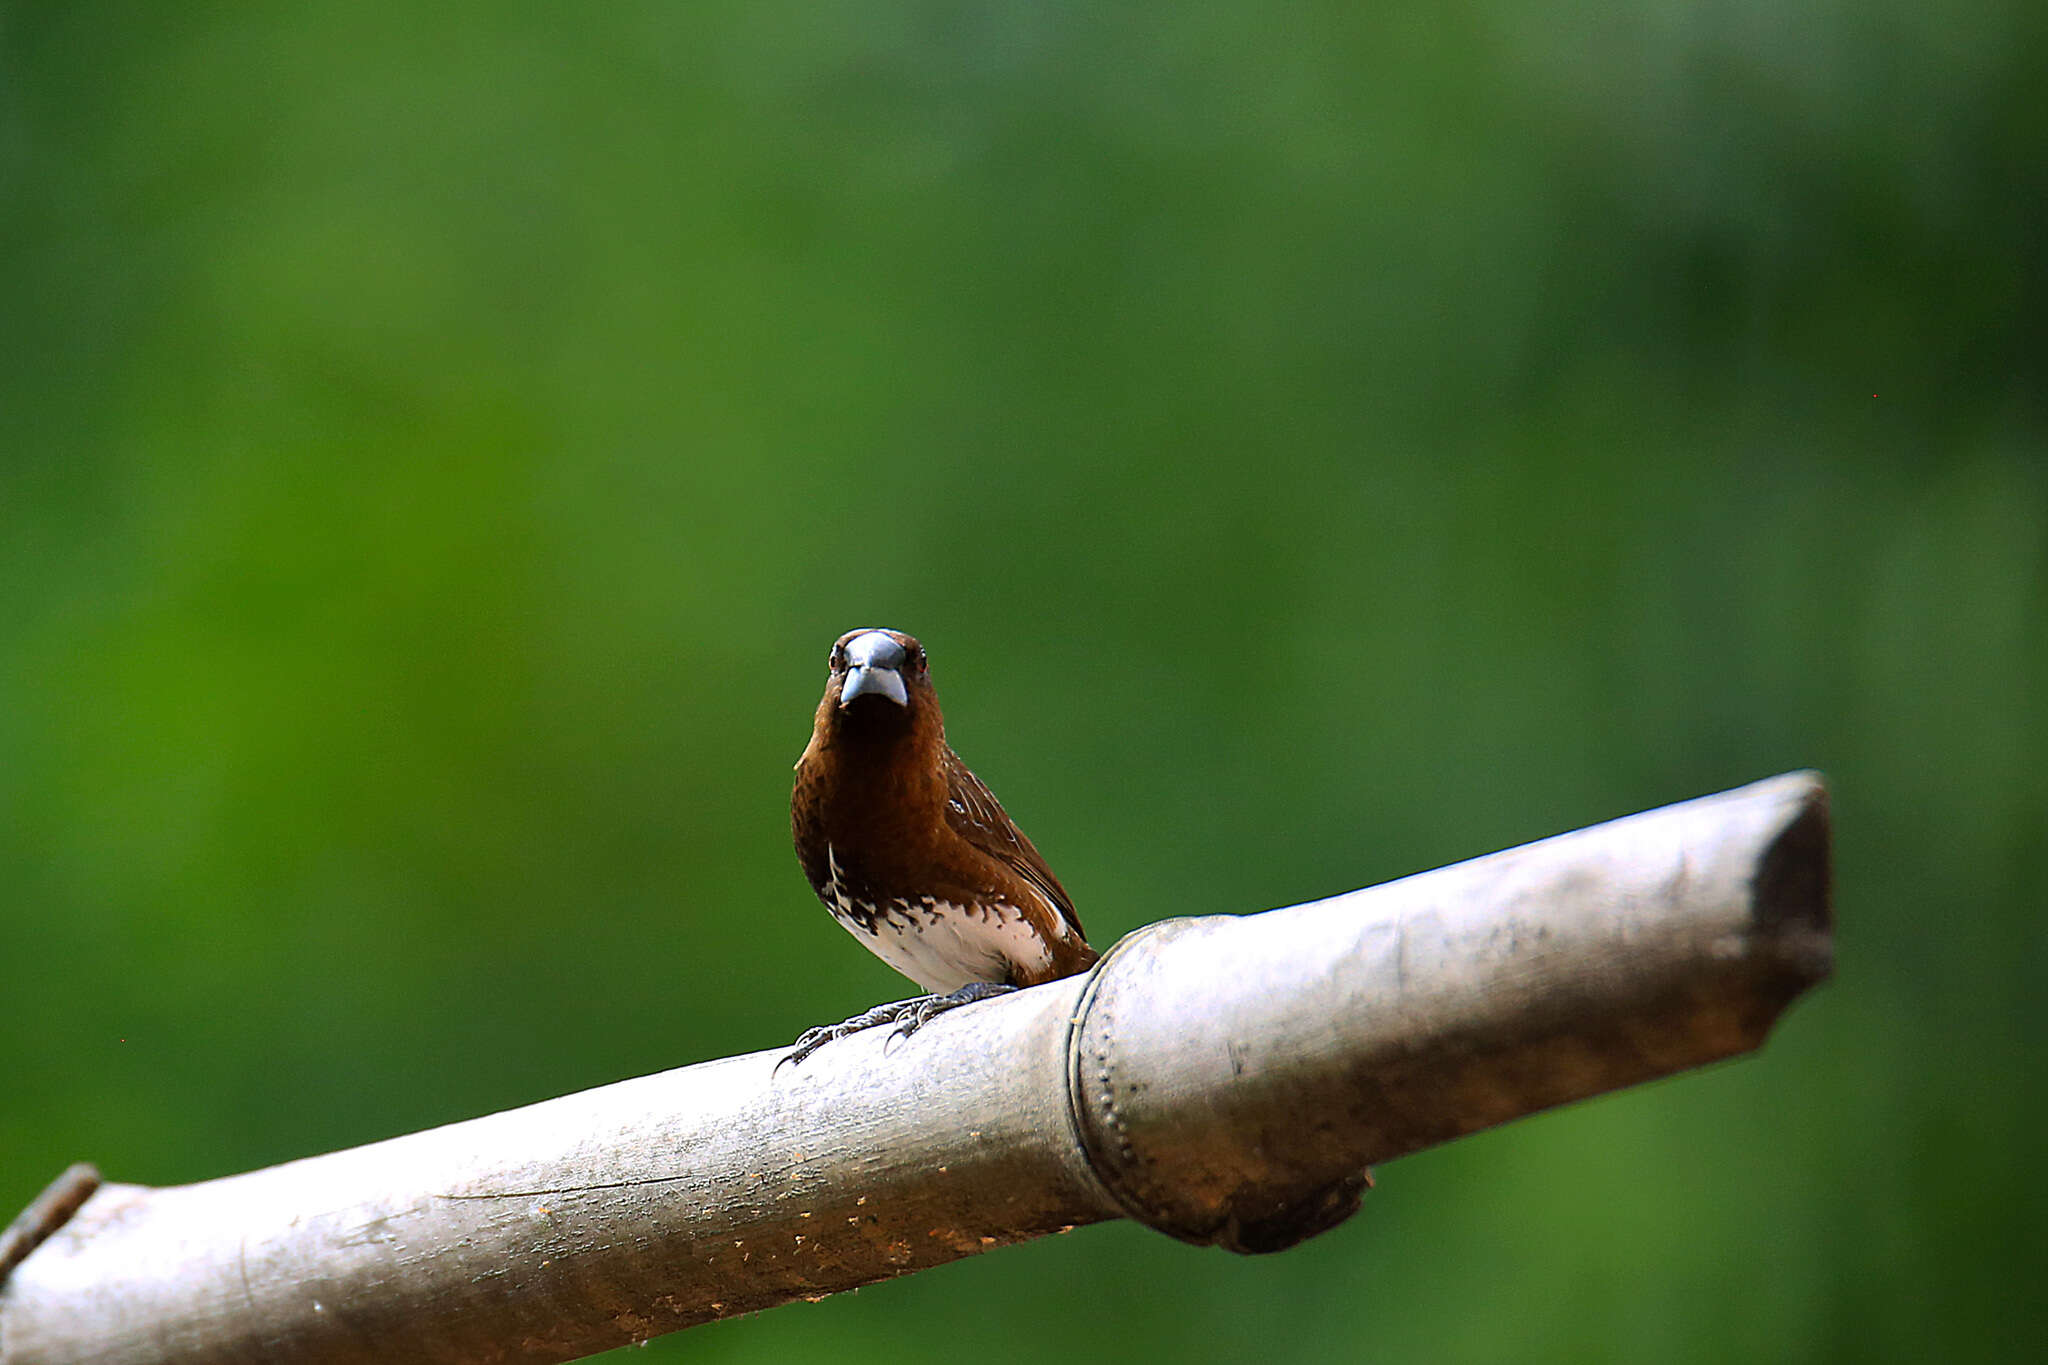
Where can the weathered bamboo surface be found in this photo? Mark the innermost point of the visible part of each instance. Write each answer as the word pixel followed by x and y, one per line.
pixel 1224 1079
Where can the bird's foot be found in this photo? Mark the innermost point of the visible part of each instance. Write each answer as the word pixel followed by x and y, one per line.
pixel 926 1008
pixel 907 1015
pixel 811 1039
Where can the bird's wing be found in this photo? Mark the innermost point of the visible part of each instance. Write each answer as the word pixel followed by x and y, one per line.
pixel 976 816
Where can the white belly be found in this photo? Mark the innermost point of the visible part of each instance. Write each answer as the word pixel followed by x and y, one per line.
pixel 942 946
pixel 939 945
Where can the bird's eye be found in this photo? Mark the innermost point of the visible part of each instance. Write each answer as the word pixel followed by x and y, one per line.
pixel 836 660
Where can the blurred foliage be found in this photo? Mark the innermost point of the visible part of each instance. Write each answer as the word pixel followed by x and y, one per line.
pixel 437 446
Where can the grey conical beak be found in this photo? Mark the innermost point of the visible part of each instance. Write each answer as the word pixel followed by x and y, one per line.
pixel 865 682
pixel 874 664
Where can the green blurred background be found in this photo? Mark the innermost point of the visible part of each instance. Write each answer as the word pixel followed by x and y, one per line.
pixel 436 449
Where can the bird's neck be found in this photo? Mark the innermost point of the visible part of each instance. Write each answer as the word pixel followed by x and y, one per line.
pixel 880 766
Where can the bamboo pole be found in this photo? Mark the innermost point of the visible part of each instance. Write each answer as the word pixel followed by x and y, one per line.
pixel 1226 1080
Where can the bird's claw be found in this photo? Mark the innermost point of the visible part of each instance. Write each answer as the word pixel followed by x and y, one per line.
pixel 907 1015
pixel 811 1039
pixel 924 1009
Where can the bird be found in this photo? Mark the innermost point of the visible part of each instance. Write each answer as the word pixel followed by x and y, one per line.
pixel 911 853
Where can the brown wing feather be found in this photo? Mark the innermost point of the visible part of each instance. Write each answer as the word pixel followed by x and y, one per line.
pixel 976 816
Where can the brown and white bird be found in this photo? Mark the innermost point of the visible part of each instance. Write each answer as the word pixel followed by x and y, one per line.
pixel 911 853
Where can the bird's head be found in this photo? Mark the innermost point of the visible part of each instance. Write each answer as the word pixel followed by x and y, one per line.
pixel 879 675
